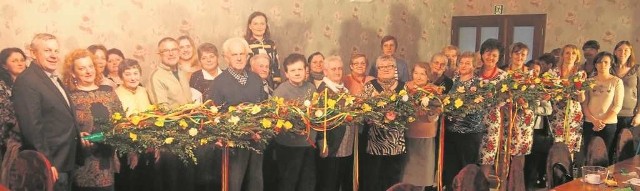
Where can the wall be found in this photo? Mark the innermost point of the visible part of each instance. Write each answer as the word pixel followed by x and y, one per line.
pixel 571 22
pixel 303 26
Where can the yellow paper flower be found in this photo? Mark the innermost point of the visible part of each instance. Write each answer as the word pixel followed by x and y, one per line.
pixel 133 136
pixel 460 89
pixel 183 124
pixel 135 120
pixel 515 86
pixel 558 98
pixel 159 122
pixel 288 125
pixel 349 100
pixel 366 107
pixel 478 99
pixel 168 140
pixel 203 141
pixel 402 92
pixel 193 132
pixel 446 101
pixel 214 109
pixel 231 109
pixel 393 97
pixel 331 103
pixel 234 120
pixel 592 85
pixel 279 100
pixel 231 144
pixel 524 87
pixel 151 107
pixel 411 119
pixel 255 109
pixel 116 116
pixel 458 103
pixel 537 80
pixel 265 123
pixel 504 88
pixel 279 123
pixel 381 104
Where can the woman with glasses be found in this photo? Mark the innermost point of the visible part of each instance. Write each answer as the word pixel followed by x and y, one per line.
pixel 385 146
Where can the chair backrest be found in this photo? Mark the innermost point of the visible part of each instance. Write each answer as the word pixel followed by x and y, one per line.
pixel 561 174
pixel 404 187
pixel 30 171
pixel 558 154
pixel 625 148
pixel 470 178
pixel 597 154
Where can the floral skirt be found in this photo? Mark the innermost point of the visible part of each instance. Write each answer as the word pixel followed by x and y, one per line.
pixel 572 134
pixel 521 136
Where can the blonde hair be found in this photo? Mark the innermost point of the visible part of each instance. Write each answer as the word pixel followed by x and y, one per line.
pixel 194 58
pixel 574 48
pixel 69 64
pixel 451 47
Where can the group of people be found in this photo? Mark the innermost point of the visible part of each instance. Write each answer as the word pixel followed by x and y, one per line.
pixel 50 110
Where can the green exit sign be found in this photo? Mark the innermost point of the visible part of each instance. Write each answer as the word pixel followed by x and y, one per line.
pixel 498 9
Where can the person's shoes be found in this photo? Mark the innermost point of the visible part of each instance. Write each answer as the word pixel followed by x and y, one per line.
pixel 541 183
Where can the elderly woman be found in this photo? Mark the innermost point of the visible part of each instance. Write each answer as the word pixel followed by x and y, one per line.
pixel 567 114
pixel 93 102
pixel 202 80
pixel 355 81
pixel 603 103
pixel 12 63
pixel 421 145
pixel 386 146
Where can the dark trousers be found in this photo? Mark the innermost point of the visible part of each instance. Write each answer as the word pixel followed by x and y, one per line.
pixel 172 174
pixel 137 179
pixel 335 173
pixel 209 168
pixel 296 168
pixel 63 183
pixel 535 163
pixel 382 172
pixel 245 170
pixel 608 134
pixel 625 123
pixel 460 149
pixel 270 167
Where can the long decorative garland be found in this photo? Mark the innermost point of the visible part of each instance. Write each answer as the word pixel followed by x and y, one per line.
pixel 181 130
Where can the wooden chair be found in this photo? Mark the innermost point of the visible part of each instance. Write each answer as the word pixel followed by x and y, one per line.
pixel 597 154
pixel 470 178
pixel 625 148
pixel 30 171
pixel 558 155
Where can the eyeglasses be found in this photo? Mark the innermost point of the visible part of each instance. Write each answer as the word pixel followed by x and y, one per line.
pixel 175 50
pixel 359 63
pixel 388 67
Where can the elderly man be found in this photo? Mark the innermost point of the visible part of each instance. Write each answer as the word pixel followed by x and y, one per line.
pixel 44 111
pixel 260 65
pixel 170 85
pixel 389 45
pixel 232 87
pixel 334 165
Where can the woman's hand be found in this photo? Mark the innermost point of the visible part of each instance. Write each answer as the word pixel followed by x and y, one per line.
pixel 635 121
pixel 85 143
pixel 132 159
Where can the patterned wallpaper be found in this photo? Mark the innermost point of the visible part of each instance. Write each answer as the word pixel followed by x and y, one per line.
pixel 304 26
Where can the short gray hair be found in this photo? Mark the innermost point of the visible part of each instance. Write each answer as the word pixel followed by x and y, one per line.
pixel 233 41
pixel 255 58
pixel 332 59
pixel 385 58
pixel 41 37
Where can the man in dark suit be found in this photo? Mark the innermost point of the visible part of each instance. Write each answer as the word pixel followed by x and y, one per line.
pixel 45 113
